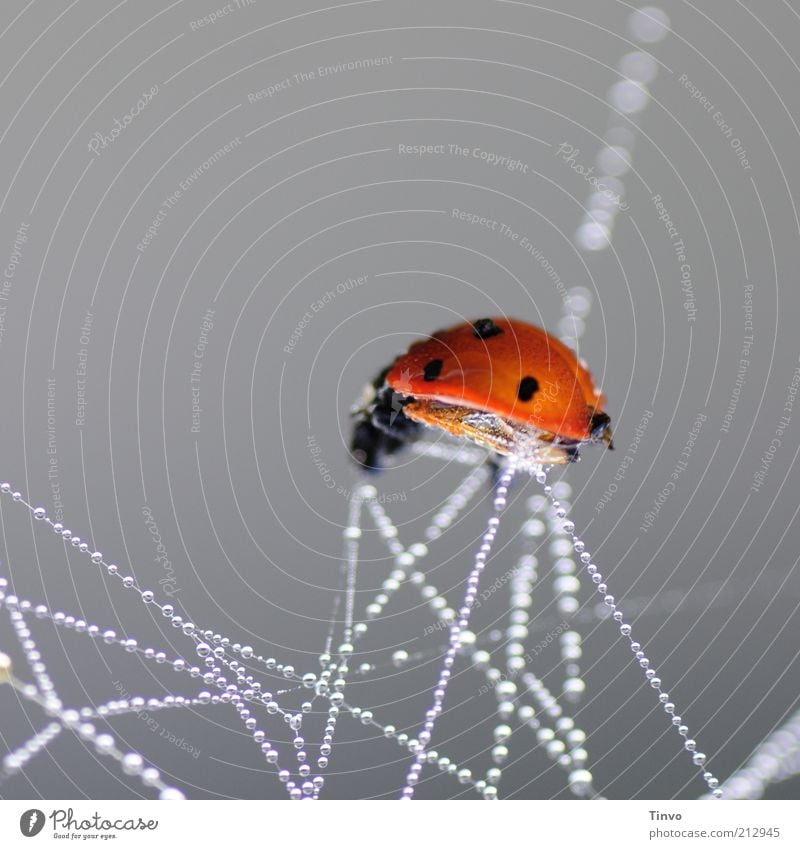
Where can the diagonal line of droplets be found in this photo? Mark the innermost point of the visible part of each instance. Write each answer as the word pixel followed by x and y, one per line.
pixel 215 651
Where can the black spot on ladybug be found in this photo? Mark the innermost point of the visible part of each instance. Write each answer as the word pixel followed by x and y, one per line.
pixel 528 387
pixel 485 328
pixel 432 369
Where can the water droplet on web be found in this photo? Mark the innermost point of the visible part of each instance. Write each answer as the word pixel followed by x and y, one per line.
pixel 639 67
pixel 648 24
pixel 593 237
pixel 629 97
pixel 614 160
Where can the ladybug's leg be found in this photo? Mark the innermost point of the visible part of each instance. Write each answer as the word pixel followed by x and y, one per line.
pixel 381 427
pixel 494 462
pixel 571 453
pixel 370 445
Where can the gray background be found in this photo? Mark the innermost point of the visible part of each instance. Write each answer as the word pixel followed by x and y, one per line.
pixel 317 193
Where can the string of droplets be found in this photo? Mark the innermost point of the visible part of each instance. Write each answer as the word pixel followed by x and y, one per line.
pixel 689 744
pixel 404 560
pixel 472 484
pixel 456 629
pixel 44 693
pixel 214 649
pixel 555 730
pixel 630 97
pixel 562 533
pixel 710 592
pixel 561 530
pixel 566 751
pixel 211 647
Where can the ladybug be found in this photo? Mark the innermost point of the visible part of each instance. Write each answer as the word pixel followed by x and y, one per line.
pixel 502 383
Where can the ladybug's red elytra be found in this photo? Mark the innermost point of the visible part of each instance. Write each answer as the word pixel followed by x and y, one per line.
pixel 500 382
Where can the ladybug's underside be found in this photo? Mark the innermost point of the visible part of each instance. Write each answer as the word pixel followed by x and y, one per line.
pixel 504 436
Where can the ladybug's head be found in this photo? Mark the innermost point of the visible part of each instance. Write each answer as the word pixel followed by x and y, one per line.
pixel 600 428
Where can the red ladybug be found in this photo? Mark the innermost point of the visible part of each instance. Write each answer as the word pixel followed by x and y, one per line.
pixel 502 383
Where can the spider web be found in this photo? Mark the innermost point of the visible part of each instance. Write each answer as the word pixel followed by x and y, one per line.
pixel 269 697
pixel 231 677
